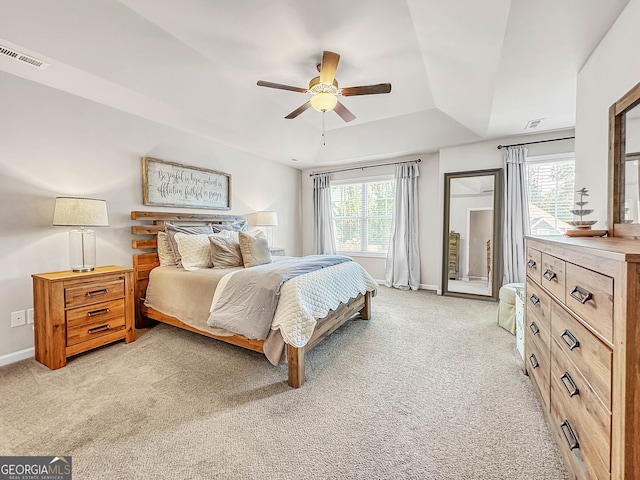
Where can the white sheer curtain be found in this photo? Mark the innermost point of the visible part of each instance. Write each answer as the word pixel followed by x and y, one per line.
pixel 516 215
pixel 403 258
pixel 324 241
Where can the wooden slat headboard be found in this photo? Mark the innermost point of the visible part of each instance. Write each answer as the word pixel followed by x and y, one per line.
pixel 154 222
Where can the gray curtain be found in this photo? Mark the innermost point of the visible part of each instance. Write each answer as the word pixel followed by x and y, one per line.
pixel 516 215
pixel 403 258
pixel 324 242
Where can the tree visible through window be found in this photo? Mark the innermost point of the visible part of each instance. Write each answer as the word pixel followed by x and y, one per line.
pixel 362 215
pixel 551 193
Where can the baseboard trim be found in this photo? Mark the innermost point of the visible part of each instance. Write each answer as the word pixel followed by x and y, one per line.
pixel 17 356
pixel 422 286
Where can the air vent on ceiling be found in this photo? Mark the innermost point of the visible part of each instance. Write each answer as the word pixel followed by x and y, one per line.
pixel 533 123
pixel 21 57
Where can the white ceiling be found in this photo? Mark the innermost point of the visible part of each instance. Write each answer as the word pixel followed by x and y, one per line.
pixel 461 71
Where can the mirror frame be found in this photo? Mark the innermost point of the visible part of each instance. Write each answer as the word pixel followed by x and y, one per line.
pixel 497 232
pixel 617 160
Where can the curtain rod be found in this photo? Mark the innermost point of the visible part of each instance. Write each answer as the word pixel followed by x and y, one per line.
pixel 539 141
pixel 365 166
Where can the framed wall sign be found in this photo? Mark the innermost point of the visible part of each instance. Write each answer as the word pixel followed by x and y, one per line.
pixel 174 185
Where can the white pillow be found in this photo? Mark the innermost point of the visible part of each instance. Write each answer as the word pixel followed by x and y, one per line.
pixel 194 250
pixel 165 253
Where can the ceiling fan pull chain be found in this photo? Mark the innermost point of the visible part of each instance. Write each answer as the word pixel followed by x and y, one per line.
pixel 323 137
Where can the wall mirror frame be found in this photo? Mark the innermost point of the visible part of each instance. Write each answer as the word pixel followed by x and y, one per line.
pixel 617 212
pixel 467 193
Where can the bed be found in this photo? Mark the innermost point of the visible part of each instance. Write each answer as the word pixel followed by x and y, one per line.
pixel 275 347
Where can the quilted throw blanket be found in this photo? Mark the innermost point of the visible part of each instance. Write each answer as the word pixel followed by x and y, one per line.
pixel 247 302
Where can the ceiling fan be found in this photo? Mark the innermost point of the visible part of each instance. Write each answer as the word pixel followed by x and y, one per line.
pixel 324 90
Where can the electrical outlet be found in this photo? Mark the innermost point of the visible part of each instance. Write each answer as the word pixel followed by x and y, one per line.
pixel 17 318
pixel 30 315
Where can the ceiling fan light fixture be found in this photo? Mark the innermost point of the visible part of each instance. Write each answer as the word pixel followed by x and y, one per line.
pixel 324 101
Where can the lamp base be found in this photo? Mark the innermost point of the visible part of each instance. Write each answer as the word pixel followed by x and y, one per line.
pixel 82 269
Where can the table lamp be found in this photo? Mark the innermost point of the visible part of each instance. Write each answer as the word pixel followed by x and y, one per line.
pixel 267 220
pixel 81 212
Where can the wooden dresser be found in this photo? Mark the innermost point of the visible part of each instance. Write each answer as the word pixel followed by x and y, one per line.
pixel 79 311
pixel 582 349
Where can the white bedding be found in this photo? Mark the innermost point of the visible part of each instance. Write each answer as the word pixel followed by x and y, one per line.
pixel 188 296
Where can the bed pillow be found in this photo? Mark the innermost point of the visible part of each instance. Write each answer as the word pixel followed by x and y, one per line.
pixel 255 249
pixel 165 253
pixel 239 226
pixel 225 251
pixel 172 229
pixel 195 250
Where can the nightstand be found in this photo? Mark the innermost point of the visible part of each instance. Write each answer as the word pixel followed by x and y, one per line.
pixel 78 311
pixel 280 252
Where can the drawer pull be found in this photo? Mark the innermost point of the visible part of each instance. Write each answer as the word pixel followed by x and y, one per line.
pixel 95 293
pixel 574 341
pixel 567 431
pixel 534 299
pixel 534 328
pixel 531 263
pixel 101 328
pixel 549 275
pixel 534 361
pixel 574 388
pixel 102 311
pixel 581 295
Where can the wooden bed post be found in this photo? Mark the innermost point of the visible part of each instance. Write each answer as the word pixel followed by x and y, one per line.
pixel 295 357
pixel 365 313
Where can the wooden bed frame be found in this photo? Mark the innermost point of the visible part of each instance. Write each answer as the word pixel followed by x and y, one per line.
pixel 143 263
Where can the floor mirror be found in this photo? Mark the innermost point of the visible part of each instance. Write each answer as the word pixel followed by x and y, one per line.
pixel 472 233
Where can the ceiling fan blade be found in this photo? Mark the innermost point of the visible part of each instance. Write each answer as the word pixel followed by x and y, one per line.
pixel 367 90
pixel 328 67
pixel 298 110
pixel 262 83
pixel 344 112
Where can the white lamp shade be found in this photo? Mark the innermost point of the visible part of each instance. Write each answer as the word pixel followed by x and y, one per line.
pixel 267 218
pixel 81 212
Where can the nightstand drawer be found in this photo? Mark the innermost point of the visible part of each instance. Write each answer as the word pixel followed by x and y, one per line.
pixel 81 294
pixel 93 321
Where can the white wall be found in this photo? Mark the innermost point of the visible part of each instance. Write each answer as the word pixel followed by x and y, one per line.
pixel 55 144
pixel 611 71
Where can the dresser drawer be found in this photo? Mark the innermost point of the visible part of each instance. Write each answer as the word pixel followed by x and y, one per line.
pixel 590 355
pixel 539 332
pixel 553 275
pixel 538 366
pixel 590 295
pixel 108 288
pixel 534 264
pixel 538 304
pixel 95 320
pixel 588 422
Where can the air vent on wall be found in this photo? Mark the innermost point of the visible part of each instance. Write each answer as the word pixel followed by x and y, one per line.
pixel 21 57
pixel 533 123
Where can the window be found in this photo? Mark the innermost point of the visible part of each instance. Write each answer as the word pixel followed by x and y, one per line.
pixel 362 215
pixel 551 193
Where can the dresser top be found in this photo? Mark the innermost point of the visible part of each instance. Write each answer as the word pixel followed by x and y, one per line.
pixel 615 248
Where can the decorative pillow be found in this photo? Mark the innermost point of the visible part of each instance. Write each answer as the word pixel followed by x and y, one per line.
pixel 195 250
pixel 225 251
pixel 165 254
pixel 172 229
pixel 255 249
pixel 239 226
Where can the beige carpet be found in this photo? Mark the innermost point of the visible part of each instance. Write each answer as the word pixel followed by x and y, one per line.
pixel 431 388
